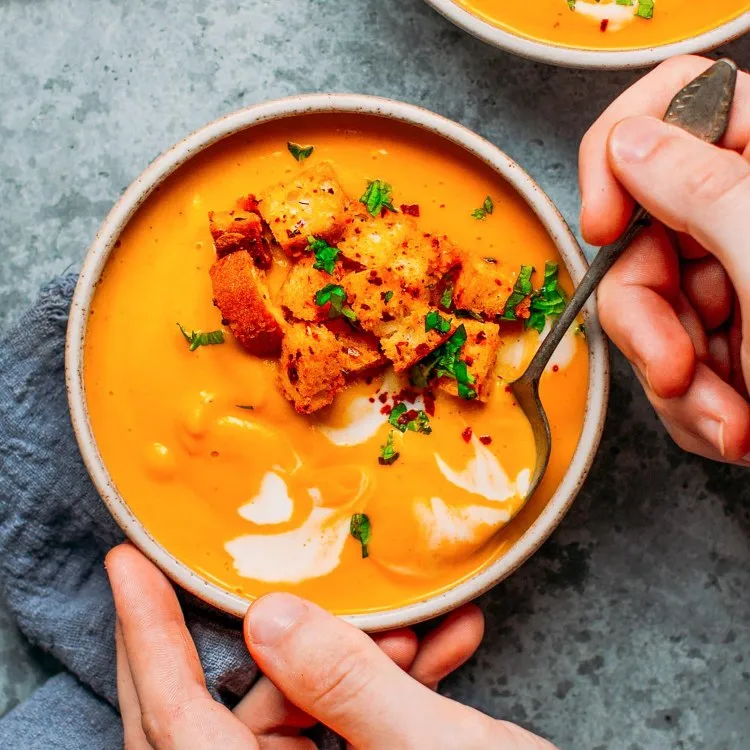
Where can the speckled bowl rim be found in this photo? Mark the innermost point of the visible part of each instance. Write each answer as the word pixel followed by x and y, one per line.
pixel 182 152
pixel 572 57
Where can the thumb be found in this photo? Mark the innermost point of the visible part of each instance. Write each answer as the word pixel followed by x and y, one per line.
pixel 692 187
pixel 337 674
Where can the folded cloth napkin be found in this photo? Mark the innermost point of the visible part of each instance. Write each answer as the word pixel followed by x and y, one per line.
pixel 54 534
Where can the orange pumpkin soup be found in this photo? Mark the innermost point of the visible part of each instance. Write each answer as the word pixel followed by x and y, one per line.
pixel 607 24
pixel 374 492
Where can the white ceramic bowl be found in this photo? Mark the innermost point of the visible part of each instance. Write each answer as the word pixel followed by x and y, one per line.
pixel 571 57
pixel 387 109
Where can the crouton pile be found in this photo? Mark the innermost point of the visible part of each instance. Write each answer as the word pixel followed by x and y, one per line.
pixel 367 289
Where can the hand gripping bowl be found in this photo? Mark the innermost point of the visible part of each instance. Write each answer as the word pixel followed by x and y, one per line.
pixel 537 521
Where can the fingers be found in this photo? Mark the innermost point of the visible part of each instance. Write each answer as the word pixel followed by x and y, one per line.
pixel 400 646
pixel 130 709
pixel 606 205
pixel 635 302
pixel 264 710
pixel 337 674
pixel 709 291
pixel 710 418
pixel 451 644
pixel 692 187
pixel 176 709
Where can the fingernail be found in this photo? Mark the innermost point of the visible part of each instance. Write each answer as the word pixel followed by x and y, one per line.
pixel 712 431
pixel 635 139
pixel 272 616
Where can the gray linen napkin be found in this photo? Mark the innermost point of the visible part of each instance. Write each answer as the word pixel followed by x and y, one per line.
pixel 54 534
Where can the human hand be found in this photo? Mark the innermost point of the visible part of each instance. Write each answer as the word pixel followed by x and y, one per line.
pixel 675 302
pixel 373 691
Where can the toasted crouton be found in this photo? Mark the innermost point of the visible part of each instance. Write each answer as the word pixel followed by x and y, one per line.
pixel 241 295
pixel 311 204
pixel 405 341
pixel 483 285
pixel 237 230
pixel 359 351
pixel 297 296
pixel 479 352
pixel 389 306
pixel 376 242
pixel 309 373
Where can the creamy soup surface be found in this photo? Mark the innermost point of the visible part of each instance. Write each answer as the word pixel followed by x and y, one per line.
pixel 215 461
pixel 607 24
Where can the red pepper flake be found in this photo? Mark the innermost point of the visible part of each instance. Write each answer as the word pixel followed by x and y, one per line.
pixel 429 404
pixel 466 434
pixel 249 203
pixel 383 397
pixel 481 336
pixel 508 389
pixel 406 395
pixel 408 416
pixel 469 361
pixel 410 210
pixel 387 409
pixel 372 399
pixel 555 368
pixel 485 440
pixel 604 24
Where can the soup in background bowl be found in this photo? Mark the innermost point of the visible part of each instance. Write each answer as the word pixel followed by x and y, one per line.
pixel 320 406
pixel 600 33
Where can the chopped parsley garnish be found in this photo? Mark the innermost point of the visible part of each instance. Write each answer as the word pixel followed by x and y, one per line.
pixel 485 210
pixel 548 302
pixel 377 197
pixel 434 321
pixel 199 338
pixel 645 9
pixel 446 298
pixel 445 362
pixel 521 290
pixel 469 314
pixel 300 153
pixel 388 454
pixel 335 294
pixel 403 419
pixel 361 529
pixel 325 255
pixel 247 407
pixel 572 4
pixel 388 296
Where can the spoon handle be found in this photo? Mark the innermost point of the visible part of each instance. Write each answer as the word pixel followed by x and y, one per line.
pixel 702 108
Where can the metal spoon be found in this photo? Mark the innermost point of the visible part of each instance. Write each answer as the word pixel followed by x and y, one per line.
pixel 702 108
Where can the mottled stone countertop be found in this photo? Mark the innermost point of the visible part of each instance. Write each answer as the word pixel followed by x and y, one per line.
pixel 631 627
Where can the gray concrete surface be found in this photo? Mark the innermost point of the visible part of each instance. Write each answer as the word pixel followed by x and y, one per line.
pixel 630 629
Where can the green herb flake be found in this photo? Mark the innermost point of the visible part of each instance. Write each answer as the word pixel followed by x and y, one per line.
pixel 548 302
pixel 484 210
pixel 434 321
pixel 521 290
pixel 388 454
pixel 200 338
pixel 581 330
pixel 335 294
pixel 388 296
pixel 445 362
pixel 361 529
pixel 300 153
pixel 572 4
pixel 377 197
pixel 446 298
pixel 645 9
pixel 419 423
pixel 246 407
pixel 325 255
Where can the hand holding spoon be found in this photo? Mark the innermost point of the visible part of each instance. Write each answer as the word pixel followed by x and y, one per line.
pixel 702 108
